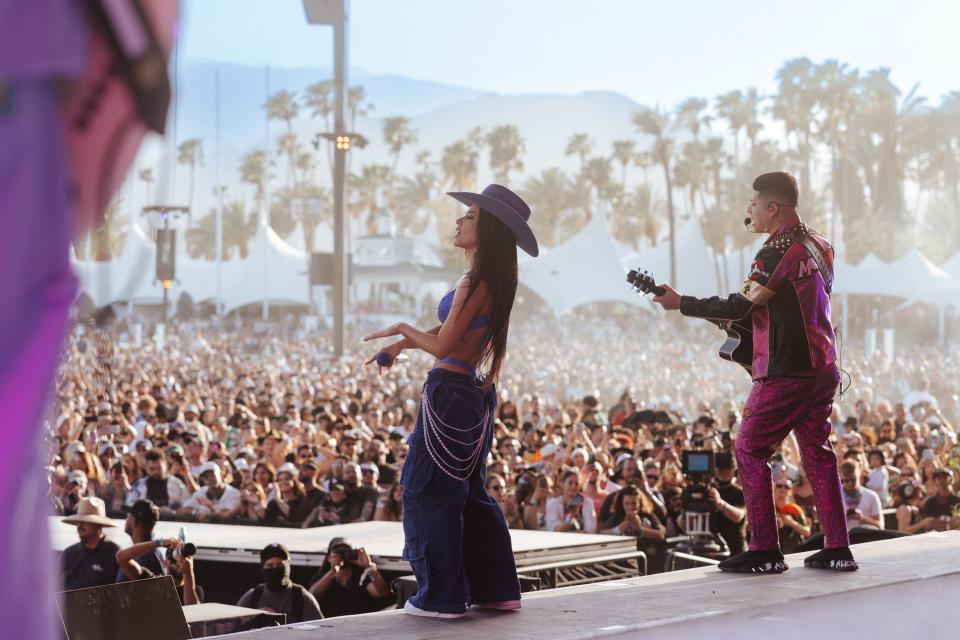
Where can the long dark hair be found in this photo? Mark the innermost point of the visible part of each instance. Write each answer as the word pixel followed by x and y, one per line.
pixel 495 265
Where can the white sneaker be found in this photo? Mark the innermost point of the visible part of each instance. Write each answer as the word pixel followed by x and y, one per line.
pixel 412 610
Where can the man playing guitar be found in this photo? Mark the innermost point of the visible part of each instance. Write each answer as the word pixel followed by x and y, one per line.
pixel 795 375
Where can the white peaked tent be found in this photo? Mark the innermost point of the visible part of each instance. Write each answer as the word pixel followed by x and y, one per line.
pixel 920 279
pixel 584 269
pixel 952 267
pixel 129 276
pixel 322 238
pixel 246 281
pixel 696 269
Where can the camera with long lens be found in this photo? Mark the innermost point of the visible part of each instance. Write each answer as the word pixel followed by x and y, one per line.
pixel 347 554
pixel 186 550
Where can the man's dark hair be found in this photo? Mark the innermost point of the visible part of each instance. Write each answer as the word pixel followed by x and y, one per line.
pixel 146 513
pixel 154 456
pixel 780 186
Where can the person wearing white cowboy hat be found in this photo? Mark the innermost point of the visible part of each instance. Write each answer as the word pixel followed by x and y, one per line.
pixel 214 500
pixel 457 541
pixel 92 561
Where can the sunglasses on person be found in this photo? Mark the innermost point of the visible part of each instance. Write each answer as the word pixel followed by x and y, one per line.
pixel 782 486
pixel 653 477
pixel 498 487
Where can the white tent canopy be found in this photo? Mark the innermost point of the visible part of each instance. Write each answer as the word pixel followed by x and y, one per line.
pixel 590 267
pixel 584 269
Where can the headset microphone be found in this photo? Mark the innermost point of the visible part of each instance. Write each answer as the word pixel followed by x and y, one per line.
pixel 748 223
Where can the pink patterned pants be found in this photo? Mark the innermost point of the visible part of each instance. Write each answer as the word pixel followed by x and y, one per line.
pixel 775 407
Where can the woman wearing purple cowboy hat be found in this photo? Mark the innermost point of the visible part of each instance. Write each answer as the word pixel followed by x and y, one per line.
pixel 456 538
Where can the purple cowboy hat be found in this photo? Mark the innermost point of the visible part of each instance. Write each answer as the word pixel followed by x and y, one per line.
pixel 509 208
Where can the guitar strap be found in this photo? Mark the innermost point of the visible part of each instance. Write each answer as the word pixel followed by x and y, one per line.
pixel 814 250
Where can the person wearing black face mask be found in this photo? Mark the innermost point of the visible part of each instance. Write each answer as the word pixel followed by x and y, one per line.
pixel 278 593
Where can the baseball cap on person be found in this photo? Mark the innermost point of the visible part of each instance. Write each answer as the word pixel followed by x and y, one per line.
pixel 369 466
pixel 288 467
pixel 77 477
pixel 241 464
pixel 275 550
pixel 209 466
pixel 142 442
pixel 548 449
pixel 191 408
pixel 622 457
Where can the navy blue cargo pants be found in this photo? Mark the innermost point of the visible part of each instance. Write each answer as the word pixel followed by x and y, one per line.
pixel 455 536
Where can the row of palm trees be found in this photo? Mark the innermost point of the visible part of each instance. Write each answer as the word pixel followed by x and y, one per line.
pixel 858 147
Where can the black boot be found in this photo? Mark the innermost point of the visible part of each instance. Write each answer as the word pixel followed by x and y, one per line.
pixel 838 559
pixel 755 562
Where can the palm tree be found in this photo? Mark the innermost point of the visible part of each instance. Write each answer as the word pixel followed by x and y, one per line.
pixel 597 176
pixel 506 148
pixel 459 165
pixel 397 134
pixel 549 195
pixel 732 107
pixel 795 104
pixel 691 116
pixel 319 97
pixel 283 106
pixel 837 95
pixel 623 152
pixel 146 177
pixel 357 104
pixel 252 172
pixel 658 124
pixel 367 189
pixel 238 227
pixel 190 152
pixel 579 145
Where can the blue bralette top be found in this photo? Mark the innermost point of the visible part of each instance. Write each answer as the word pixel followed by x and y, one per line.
pixel 443 310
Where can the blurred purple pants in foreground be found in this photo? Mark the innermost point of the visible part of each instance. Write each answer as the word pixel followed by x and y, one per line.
pixel 41 41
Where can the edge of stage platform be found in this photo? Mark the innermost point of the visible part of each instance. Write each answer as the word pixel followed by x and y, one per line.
pixel 906 588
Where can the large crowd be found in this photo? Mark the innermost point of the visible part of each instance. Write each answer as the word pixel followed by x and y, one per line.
pixel 225 424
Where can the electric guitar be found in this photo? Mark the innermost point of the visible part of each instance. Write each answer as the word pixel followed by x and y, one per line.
pixel 738 347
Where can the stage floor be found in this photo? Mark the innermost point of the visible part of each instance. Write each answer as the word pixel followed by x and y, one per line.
pixel 382 540
pixel 905 587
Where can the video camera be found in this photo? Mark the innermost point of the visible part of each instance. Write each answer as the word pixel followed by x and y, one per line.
pixel 698 468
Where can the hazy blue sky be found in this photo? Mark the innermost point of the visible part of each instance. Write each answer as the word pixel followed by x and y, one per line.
pixel 650 51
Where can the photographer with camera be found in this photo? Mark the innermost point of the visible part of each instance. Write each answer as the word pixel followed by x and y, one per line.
pixel 570 511
pixel 730 514
pixel 133 561
pixel 278 593
pixel 348 582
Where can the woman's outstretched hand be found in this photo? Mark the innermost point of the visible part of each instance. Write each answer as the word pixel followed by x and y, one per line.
pixel 392 330
pixel 392 351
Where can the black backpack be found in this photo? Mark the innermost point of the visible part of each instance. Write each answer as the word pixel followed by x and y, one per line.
pixel 297 600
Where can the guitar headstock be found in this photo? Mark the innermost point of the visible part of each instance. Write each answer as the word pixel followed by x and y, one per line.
pixel 644 283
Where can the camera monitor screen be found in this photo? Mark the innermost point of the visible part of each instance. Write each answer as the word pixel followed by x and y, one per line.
pixel 698 462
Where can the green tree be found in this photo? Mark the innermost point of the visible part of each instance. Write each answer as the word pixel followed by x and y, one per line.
pixel 658 124
pixel 506 151
pixel 190 153
pixel 397 134
pixel 459 165
pixel 579 145
pixel 283 106
pixel 624 152
pixel 549 197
